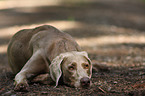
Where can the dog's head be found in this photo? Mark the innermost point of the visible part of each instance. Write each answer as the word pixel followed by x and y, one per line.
pixel 74 67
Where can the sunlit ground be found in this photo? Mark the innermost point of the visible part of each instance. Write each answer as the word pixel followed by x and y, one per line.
pixel 90 42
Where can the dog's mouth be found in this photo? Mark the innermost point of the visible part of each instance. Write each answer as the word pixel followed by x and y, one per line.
pixel 82 83
pixel 83 86
pixel 85 82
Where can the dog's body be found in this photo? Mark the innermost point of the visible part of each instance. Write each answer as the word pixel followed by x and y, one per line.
pixel 47 50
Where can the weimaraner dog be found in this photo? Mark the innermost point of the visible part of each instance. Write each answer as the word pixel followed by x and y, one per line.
pixel 45 49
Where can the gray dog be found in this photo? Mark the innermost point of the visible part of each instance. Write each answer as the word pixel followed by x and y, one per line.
pixel 45 49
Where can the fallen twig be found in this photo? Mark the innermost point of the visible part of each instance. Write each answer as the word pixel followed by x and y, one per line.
pixel 102 90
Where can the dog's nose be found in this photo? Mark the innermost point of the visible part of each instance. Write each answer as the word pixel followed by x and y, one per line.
pixel 85 82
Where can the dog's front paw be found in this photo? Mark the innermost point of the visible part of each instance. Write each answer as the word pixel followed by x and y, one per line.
pixel 21 87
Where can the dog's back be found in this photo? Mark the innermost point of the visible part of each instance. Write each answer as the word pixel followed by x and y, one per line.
pixel 25 42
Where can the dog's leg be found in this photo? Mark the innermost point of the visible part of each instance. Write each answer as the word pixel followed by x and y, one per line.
pixel 36 64
pixel 43 79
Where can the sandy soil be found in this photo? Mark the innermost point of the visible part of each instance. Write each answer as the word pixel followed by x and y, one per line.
pixel 111 31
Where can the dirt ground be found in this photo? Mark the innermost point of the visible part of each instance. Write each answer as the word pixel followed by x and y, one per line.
pixel 111 31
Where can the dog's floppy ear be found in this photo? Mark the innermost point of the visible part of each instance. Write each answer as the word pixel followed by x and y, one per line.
pixel 55 67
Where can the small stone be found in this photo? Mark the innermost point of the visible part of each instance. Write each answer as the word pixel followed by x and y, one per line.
pixel 115 82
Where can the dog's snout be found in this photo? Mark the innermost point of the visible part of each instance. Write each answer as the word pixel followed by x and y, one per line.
pixel 85 82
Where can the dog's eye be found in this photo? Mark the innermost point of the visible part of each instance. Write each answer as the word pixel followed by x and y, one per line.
pixel 86 66
pixel 71 67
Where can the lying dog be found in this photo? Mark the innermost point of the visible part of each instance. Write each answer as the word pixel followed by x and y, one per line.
pixel 45 49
